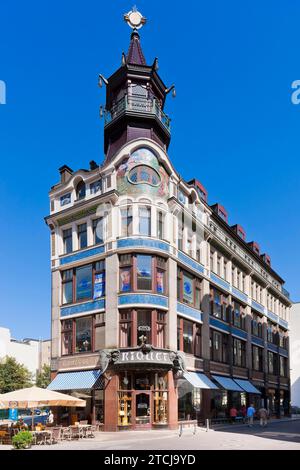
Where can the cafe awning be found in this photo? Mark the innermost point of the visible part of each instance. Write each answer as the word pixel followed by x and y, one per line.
pixel 79 380
pixel 199 380
pixel 247 386
pixel 228 383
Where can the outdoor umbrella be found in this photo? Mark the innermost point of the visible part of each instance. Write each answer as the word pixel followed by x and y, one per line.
pixel 33 397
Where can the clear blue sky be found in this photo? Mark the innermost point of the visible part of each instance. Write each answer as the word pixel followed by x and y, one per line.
pixel 233 124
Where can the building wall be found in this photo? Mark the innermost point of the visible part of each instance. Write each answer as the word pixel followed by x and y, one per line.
pixel 31 353
pixel 295 354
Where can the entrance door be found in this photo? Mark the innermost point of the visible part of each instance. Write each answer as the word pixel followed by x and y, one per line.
pixel 142 410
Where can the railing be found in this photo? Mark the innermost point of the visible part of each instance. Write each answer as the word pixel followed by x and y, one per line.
pixel 137 103
pixel 285 292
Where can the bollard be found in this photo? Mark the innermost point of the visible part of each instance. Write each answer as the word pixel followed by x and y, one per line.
pixel 180 430
pixel 207 425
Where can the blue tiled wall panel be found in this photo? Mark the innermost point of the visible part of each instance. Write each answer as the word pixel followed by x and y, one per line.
pixel 218 324
pixel 189 311
pixel 272 316
pixel 272 347
pixel 283 352
pixel 239 333
pixel 239 294
pixel 257 306
pixel 143 242
pixel 189 262
pixel 219 281
pixel 143 299
pixel 81 308
pixel 283 323
pixel 82 255
pixel 257 341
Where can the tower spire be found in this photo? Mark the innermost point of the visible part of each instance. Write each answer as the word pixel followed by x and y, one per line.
pixel 135 21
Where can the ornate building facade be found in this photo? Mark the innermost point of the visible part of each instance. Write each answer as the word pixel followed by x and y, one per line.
pixel 161 311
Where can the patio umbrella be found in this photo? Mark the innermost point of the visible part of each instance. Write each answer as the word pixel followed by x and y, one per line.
pixel 33 397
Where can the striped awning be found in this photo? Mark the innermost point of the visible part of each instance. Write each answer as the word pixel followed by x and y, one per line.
pixel 247 386
pixel 199 380
pixel 80 380
pixel 227 383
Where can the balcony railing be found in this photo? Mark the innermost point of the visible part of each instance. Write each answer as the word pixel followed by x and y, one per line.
pixel 137 104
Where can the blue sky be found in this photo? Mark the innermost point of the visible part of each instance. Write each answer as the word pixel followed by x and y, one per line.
pixel 233 124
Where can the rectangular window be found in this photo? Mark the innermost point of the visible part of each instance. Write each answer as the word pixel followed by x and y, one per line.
pixel 67 337
pixel 225 268
pixel 99 280
pixel 238 315
pixel 283 366
pixel 98 231
pixel 188 289
pixel 239 353
pixel 219 304
pixel 84 282
pixel 218 347
pixel 257 358
pixel 67 286
pixel 219 265
pixel 96 187
pixel 211 260
pixel 160 225
pixel 187 336
pixel 65 199
pixel 197 348
pixel 82 236
pixel 180 232
pixel 125 330
pixel 271 365
pixel 125 279
pixel 256 325
pixel 83 334
pixel 144 326
pixel 145 221
pixel 144 272
pixel 99 331
pixel 160 330
pixel 67 240
pixel 126 222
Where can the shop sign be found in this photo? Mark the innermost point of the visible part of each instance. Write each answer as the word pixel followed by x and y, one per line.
pixel 138 357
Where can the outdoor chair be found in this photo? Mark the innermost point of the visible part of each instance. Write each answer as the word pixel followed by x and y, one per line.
pixel 85 421
pixel 90 432
pixel 56 434
pixel 74 432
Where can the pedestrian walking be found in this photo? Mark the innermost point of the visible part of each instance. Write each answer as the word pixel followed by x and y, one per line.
pixel 263 416
pixel 233 414
pixel 250 415
pixel 244 413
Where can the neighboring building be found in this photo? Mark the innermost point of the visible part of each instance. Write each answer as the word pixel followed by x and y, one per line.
pixel 32 353
pixel 295 353
pixel 161 311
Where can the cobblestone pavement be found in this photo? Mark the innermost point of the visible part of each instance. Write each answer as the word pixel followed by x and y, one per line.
pixel 277 435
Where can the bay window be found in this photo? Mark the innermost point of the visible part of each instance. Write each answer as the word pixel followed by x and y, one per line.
pixel 126 221
pixel 83 283
pixel 145 220
pixel 142 273
pixel 83 334
pixel 142 326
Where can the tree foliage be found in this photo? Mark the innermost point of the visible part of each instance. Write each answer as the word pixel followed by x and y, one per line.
pixel 13 375
pixel 43 378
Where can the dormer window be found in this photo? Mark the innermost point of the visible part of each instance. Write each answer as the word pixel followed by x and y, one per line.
pixel 222 215
pixel 80 190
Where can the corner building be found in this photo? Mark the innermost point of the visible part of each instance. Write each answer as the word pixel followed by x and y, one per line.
pixel 161 311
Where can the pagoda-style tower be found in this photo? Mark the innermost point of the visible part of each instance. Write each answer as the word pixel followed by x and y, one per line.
pixel 135 98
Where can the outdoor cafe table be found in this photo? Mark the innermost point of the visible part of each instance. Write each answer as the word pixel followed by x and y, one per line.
pixel 40 437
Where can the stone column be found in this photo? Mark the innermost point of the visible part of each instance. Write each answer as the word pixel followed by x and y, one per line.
pixel 172 402
pixel 248 325
pixel 111 404
pixel 111 302
pixel 55 313
pixel 171 337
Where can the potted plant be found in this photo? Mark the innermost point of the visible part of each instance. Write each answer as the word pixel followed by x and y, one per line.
pixel 22 440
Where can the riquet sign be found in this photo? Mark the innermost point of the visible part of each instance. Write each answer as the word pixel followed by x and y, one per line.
pixel 157 357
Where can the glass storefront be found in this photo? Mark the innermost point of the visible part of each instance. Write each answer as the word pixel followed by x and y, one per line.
pixel 189 400
pixel 142 399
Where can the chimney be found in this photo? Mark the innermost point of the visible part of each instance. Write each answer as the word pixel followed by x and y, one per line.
pixel 93 165
pixel 65 173
pixel 221 211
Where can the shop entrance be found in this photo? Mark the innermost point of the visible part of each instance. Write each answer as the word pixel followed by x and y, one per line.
pixel 143 409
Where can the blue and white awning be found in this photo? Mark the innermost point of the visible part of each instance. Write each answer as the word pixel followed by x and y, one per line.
pixel 228 383
pixel 80 380
pixel 247 386
pixel 199 380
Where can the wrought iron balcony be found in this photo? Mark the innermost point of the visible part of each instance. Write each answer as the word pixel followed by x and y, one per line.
pixel 136 104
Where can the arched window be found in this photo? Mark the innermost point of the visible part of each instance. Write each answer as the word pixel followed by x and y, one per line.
pixel 144 174
pixel 80 190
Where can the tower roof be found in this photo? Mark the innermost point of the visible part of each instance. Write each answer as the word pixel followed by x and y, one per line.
pixel 135 54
